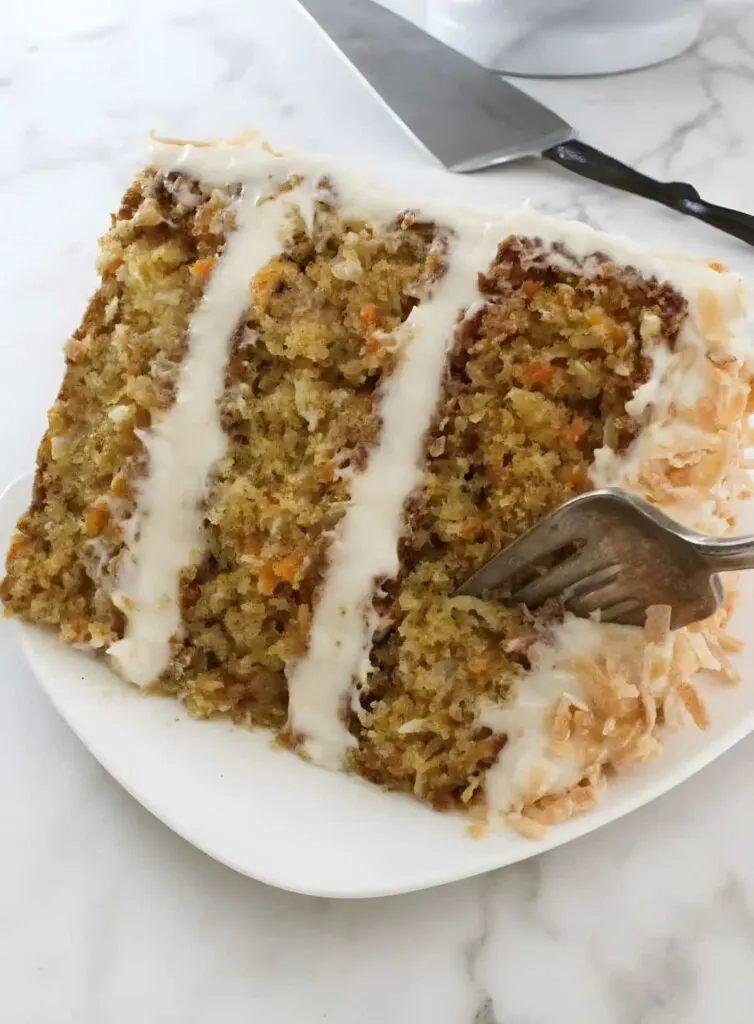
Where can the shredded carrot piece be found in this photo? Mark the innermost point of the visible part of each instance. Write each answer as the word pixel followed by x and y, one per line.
pixel 268 580
pixel 203 268
pixel 575 476
pixel 575 432
pixel 530 288
pixel 370 315
pixel 328 472
pixel 12 552
pixel 288 568
pixel 538 373
pixel 372 346
pixel 95 520
pixel 283 570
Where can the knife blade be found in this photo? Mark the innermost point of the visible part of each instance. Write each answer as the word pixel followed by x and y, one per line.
pixel 469 117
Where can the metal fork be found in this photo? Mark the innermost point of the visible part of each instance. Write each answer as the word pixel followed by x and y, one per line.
pixel 628 556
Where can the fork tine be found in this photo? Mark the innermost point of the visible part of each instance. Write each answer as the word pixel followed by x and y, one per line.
pixel 606 596
pixel 618 612
pixel 596 579
pixel 574 572
pixel 635 618
pixel 543 539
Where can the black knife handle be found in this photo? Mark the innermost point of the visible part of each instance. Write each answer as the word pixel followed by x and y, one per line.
pixel 591 163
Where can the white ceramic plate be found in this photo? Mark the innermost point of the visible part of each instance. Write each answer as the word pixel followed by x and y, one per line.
pixel 271 816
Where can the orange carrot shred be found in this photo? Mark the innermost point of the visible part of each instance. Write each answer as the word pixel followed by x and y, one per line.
pixel 268 580
pixel 370 315
pixel 575 476
pixel 575 432
pixel 530 288
pixel 538 373
pixel 287 568
pixel 203 268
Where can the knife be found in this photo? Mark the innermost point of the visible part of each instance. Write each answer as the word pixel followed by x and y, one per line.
pixel 469 117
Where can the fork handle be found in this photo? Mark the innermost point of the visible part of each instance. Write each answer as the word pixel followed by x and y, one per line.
pixel 727 554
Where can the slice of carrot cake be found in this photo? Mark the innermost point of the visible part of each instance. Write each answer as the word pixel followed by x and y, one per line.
pixel 300 412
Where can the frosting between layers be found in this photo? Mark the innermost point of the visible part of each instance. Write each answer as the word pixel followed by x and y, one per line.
pixel 165 534
pixel 367 545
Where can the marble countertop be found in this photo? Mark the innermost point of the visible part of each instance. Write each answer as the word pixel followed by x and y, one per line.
pixel 106 917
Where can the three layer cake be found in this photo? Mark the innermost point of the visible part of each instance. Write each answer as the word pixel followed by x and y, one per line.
pixel 300 411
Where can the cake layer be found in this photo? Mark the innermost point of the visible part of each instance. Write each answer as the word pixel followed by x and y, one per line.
pixel 332 406
pixel 122 365
pixel 300 413
pixel 537 380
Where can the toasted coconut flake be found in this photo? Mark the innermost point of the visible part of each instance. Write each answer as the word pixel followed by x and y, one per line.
pixel 701 646
pixel 712 319
pixel 694 705
pixel 657 624
pixel 558 807
pixel 730 643
pixel 685 662
pixel 673 711
pixel 725 669
pixel 537 783
pixel 169 140
pixel 583 798
pixel 525 826
pixel 649 708
pixel 560 729
pixel 240 139
pixel 552 810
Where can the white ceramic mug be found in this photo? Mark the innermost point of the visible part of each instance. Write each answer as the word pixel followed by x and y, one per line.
pixel 566 37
